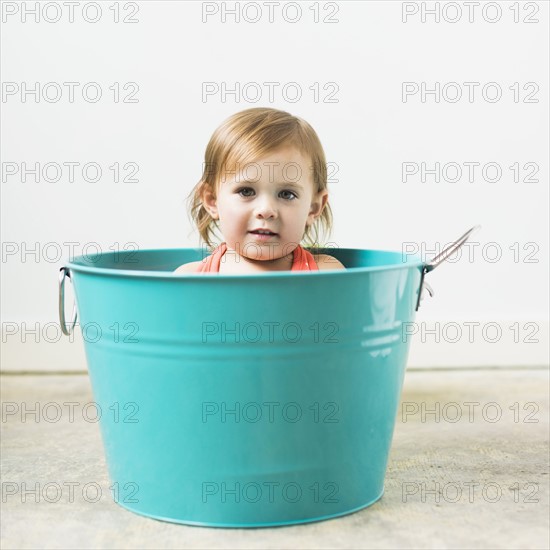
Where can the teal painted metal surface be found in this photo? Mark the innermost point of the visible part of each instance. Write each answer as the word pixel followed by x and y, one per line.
pixel 246 401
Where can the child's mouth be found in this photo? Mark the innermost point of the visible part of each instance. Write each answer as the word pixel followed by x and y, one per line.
pixel 263 235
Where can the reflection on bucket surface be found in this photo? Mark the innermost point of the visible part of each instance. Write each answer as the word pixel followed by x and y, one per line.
pixel 275 459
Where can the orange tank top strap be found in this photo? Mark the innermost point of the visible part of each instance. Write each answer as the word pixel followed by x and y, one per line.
pixel 303 260
pixel 211 264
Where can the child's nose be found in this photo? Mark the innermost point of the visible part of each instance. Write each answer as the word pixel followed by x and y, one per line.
pixel 266 209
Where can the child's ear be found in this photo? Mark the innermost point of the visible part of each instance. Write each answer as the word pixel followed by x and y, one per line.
pixel 209 201
pixel 318 204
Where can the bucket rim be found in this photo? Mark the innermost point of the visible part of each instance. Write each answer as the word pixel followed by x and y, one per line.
pixel 413 261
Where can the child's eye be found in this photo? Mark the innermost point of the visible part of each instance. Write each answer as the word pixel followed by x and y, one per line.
pixel 291 193
pixel 240 191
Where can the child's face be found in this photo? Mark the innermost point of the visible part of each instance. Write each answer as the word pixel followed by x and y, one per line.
pixel 276 192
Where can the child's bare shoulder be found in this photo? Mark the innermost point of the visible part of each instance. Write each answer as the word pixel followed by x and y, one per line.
pixel 190 267
pixel 324 261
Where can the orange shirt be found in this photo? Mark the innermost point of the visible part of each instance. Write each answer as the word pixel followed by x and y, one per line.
pixel 303 260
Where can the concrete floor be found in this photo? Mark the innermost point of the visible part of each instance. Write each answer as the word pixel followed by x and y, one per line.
pixel 430 500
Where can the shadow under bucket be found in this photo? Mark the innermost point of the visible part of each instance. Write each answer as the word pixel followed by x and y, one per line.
pixel 250 400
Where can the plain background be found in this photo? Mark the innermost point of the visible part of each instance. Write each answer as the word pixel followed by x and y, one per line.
pixel 368 132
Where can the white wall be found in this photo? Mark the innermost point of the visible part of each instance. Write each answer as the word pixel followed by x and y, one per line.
pixel 369 131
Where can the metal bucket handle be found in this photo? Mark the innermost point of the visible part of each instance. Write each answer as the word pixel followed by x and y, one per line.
pixel 64 272
pixel 440 258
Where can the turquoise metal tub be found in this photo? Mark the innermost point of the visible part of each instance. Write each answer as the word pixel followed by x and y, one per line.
pixel 246 401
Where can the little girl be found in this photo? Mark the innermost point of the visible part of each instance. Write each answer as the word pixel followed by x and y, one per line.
pixel 264 185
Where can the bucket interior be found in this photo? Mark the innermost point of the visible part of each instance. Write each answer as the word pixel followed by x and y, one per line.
pixel 154 260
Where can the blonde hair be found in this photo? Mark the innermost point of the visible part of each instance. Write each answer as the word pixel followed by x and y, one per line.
pixel 246 136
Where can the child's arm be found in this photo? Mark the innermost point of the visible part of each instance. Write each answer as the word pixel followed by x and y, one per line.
pixel 324 261
pixel 191 267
